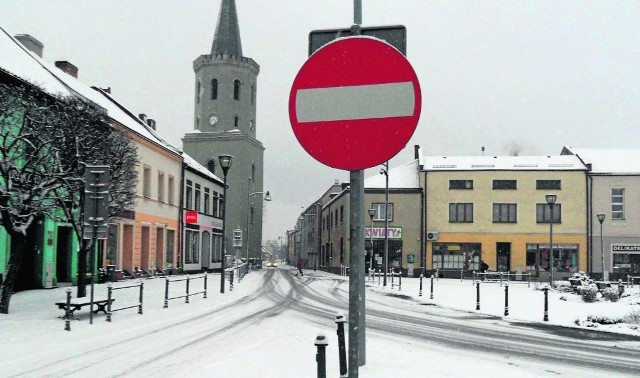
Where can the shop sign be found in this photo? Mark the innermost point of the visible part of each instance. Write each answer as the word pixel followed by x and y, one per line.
pixel 627 248
pixel 191 217
pixel 378 232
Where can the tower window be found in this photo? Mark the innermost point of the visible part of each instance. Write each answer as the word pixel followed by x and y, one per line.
pixel 236 121
pixel 214 89
pixel 253 94
pixel 253 172
pixel 198 89
pixel 236 89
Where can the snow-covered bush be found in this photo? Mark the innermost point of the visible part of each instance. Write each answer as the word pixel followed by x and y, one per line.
pixel 610 294
pixel 563 286
pixel 589 292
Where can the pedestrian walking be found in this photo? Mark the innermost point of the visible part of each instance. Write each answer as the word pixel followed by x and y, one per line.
pixel 300 264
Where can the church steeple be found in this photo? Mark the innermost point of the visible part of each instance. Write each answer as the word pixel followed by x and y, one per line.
pixel 227 37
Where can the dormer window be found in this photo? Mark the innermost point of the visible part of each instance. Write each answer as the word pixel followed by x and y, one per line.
pixel 236 89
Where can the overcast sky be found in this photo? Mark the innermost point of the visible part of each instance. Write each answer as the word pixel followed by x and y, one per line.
pixel 512 76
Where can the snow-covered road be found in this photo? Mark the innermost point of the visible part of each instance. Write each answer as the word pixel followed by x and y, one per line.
pixel 266 328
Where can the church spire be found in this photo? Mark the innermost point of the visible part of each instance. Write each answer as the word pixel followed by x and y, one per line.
pixel 227 37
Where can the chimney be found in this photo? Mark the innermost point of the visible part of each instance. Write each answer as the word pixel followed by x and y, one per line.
pixel 143 117
pixel 416 151
pixel 151 123
pixel 106 90
pixel 67 67
pixel 30 43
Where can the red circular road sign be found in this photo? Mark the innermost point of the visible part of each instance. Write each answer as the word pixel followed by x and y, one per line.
pixel 355 103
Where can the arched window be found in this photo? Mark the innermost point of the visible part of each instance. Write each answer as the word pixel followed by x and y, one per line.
pixel 198 89
pixel 214 89
pixel 253 172
pixel 236 121
pixel 236 89
pixel 211 166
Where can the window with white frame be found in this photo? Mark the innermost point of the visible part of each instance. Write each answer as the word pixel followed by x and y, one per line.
pixel 207 199
pixel 196 198
pixel 146 181
pixel 188 201
pixel 460 213
pixel 161 186
pixel 617 203
pixel 379 208
pixel 171 190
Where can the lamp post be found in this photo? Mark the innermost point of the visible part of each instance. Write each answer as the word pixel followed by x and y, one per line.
pixel 372 213
pixel 551 200
pixel 385 171
pixel 225 164
pixel 601 217
pixel 267 197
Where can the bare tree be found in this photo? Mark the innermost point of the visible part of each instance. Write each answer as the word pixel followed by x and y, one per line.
pixel 90 140
pixel 29 173
pixel 45 143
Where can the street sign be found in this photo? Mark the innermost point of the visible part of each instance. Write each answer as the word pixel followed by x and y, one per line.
pixel 96 201
pixel 355 103
pixel 237 238
pixel 395 35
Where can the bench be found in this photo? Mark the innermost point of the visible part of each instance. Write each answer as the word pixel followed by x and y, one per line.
pixel 78 303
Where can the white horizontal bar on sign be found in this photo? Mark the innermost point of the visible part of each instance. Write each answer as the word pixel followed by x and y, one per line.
pixel 355 102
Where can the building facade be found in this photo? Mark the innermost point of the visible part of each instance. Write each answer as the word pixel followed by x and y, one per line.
pixel 225 122
pixel 614 190
pixel 494 209
pixel 201 218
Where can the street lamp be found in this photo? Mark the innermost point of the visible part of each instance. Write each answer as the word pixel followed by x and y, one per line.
pixel 372 213
pixel 267 197
pixel 225 164
pixel 551 200
pixel 601 217
pixel 385 171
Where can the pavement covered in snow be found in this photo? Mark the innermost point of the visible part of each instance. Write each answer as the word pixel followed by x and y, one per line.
pixel 253 331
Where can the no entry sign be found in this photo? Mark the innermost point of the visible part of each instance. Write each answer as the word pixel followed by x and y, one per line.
pixel 355 103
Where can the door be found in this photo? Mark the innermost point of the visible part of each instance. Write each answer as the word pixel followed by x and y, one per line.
pixel 63 254
pixel 144 247
pixel 206 250
pixel 503 253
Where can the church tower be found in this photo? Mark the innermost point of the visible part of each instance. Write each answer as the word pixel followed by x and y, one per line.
pixel 225 123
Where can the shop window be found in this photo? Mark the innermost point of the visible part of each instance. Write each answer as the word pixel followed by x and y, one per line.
pixel 505 213
pixel 460 184
pixel 617 203
pixel 565 258
pixel 170 248
pixel 465 256
pixel 192 247
pixel 543 213
pixel 626 263
pixel 460 213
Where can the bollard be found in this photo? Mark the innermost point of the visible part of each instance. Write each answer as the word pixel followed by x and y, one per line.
pixel 400 280
pixel 546 304
pixel 186 297
pixel 379 277
pixel 438 274
pixel 205 286
pixel 620 288
pixel 529 281
pixel 431 295
pixel 140 305
pixel 392 274
pixel 109 290
pixel 166 293
pixel 342 349
pixel 461 274
pixel 478 295
pixel 321 358
pixel 231 280
pixel 420 291
pixel 67 312
pixel 506 299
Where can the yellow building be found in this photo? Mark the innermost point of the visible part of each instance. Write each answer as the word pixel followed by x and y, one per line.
pixel 494 209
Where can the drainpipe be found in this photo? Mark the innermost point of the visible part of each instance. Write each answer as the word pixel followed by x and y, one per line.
pixel 180 256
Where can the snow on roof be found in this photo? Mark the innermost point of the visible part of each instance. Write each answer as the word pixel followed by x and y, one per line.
pixel 403 177
pixel 27 66
pixel 191 163
pixel 503 163
pixel 603 160
pixel 21 63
